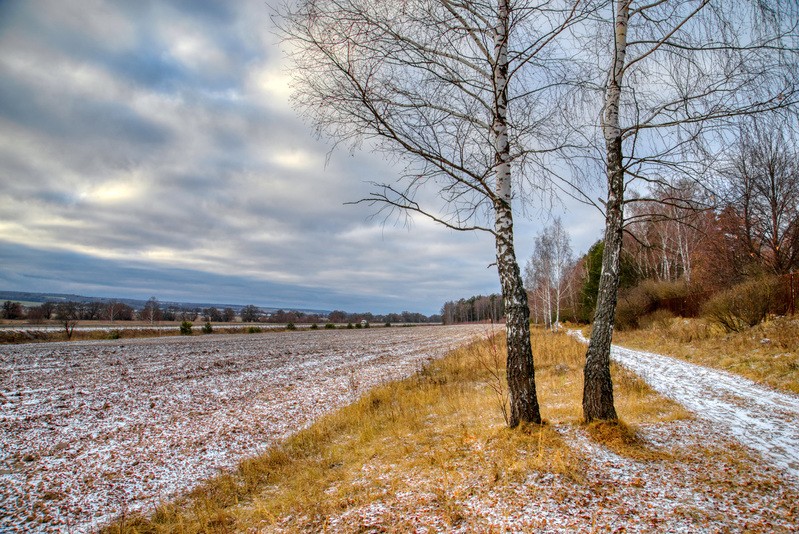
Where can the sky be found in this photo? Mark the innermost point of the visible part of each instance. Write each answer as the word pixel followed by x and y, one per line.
pixel 149 148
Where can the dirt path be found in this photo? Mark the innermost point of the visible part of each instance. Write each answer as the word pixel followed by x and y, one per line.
pixel 89 430
pixel 758 417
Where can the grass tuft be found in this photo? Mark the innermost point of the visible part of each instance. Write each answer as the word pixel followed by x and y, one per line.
pixel 624 440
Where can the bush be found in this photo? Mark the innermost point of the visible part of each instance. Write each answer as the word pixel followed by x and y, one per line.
pixel 330 326
pixel 744 305
pixel 207 328
pixel 254 330
pixel 185 328
pixel 350 325
pixel 387 325
pixel 358 325
pixel 632 306
pixel 650 297
pixel 114 334
pixel 291 326
pixel 314 326
pixel 366 324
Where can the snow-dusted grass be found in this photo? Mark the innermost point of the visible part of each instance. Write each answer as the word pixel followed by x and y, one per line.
pixel 91 430
pixel 432 454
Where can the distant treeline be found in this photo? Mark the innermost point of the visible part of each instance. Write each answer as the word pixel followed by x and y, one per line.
pixel 478 308
pixel 155 311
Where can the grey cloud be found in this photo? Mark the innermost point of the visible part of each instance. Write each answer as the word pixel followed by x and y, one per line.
pixel 188 160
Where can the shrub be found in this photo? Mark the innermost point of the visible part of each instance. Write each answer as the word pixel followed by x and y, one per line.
pixel 744 305
pixel 114 334
pixel 350 325
pixel 632 306
pixel 291 326
pixel 314 326
pixel 651 296
pixel 185 328
pixel 388 324
pixel 366 324
pixel 358 325
pixel 254 330
pixel 330 326
pixel 207 328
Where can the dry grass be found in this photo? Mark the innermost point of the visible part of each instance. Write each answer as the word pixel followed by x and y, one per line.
pixel 767 353
pixel 438 436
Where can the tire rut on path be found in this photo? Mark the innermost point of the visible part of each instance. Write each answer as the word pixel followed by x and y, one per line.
pixel 758 417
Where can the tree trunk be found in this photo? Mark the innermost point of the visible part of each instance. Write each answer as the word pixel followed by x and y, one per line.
pixel 520 372
pixel 598 385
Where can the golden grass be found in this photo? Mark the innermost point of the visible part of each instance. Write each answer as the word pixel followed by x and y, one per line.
pixel 767 353
pixel 436 436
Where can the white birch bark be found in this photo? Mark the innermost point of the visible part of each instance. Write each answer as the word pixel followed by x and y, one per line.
pixel 598 386
pixel 520 374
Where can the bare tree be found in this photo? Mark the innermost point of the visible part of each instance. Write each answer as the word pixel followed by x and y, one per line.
pixel 561 263
pixel 763 181
pixel 678 73
pixel 91 311
pixel 250 313
pixel 151 311
pixel 453 90
pixel 538 277
pixel 12 310
pixel 546 272
pixel 112 310
pixel 68 313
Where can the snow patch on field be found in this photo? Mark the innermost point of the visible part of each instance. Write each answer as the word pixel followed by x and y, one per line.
pixel 91 430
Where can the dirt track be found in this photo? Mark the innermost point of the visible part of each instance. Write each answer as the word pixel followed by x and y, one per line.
pixel 758 417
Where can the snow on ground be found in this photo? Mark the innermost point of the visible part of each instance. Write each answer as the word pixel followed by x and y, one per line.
pixel 692 476
pixel 758 417
pixel 697 480
pixel 89 430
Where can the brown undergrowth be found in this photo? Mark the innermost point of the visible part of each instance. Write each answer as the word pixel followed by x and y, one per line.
pixel 423 445
pixel 767 353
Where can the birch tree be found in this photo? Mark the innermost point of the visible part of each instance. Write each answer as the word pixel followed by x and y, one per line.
pixel 453 90
pixel 546 272
pixel 678 73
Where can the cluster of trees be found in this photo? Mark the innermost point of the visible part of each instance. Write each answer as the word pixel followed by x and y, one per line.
pixel 153 311
pixel 487 103
pixel 478 308
pixel 251 313
pixel 78 311
pixel 696 241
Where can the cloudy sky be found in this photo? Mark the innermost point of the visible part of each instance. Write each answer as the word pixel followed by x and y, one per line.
pixel 149 149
